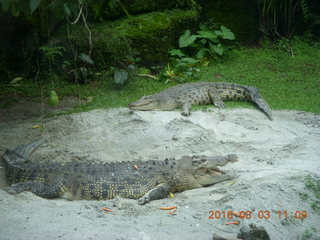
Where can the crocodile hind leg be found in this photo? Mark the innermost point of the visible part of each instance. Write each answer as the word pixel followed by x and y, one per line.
pixel 158 192
pixel 50 189
pixel 215 97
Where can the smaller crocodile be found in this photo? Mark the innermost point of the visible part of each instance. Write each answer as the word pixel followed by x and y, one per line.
pixel 200 93
pixel 144 181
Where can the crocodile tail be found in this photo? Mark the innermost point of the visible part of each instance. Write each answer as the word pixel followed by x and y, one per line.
pixel 21 153
pixel 262 104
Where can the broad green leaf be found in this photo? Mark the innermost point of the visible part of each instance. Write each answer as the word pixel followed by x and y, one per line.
pixel 34 4
pixel 188 74
pixel 186 39
pixel 190 60
pixel 202 53
pixel 218 32
pixel 180 64
pixel 217 48
pixel 85 58
pixel 206 34
pixel 226 33
pixel 203 27
pixel 176 52
pixel 214 40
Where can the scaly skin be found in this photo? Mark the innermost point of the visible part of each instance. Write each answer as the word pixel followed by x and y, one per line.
pixel 200 93
pixel 144 181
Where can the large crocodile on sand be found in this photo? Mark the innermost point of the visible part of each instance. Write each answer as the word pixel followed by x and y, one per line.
pixel 200 93
pixel 144 181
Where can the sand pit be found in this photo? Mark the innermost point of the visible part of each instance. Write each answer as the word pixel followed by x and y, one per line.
pixel 274 159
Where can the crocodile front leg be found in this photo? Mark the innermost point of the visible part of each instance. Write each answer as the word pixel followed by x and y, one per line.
pixel 50 189
pixel 186 107
pixel 216 99
pixel 158 192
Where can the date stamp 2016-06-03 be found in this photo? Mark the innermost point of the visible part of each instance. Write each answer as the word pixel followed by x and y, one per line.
pixel 261 214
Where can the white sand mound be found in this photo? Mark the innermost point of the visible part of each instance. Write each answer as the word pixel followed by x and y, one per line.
pixel 274 159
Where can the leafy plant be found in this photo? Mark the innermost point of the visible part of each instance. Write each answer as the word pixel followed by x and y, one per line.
pixel 313 184
pixel 207 43
pixel 83 74
pixel 181 67
pixel 50 54
pixel 309 234
pixel 28 7
pixel 127 70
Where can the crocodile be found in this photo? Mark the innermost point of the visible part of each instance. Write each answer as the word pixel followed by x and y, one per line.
pixel 200 93
pixel 144 181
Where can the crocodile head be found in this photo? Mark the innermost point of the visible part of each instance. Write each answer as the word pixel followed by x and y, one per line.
pixel 153 102
pixel 205 169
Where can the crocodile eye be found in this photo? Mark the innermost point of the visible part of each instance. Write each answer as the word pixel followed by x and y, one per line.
pixel 198 160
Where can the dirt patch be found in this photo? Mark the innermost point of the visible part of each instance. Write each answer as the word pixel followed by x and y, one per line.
pixel 274 159
pixel 25 109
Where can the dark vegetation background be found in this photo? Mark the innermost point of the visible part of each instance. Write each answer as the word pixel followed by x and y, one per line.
pixel 108 53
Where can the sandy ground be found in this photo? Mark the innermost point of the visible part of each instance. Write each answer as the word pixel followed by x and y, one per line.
pixel 274 159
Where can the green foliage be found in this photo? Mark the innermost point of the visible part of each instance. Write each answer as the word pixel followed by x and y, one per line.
pixel 51 52
pixel 282 18
pixel 207 43
pixel 314 185
pixel 286 82
pixel 78 67
pixel 115 9
pixel 83 75
pixel 292 47
pixel 81 71
pixel 15 82
pixel 86 59
pixel 309 234
pixel 303 196
pixel 181 68
pixel 186 39
pixel 146 36
pixel 27 7
pixel 121 76
pixel 238 15
pixel 114 3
